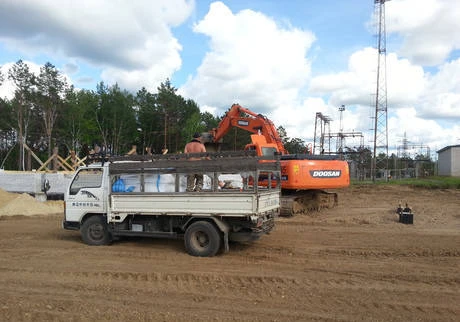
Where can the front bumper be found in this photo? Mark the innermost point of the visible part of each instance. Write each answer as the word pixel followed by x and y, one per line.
pixel 71 225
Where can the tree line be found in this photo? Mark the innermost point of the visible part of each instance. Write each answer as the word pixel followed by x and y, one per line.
pixel 47 112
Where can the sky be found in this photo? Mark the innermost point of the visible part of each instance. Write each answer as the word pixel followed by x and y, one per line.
pixel 286 60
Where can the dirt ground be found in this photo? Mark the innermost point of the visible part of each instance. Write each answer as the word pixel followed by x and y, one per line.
pixel 355 262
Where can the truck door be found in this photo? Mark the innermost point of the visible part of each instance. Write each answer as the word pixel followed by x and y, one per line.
pixel 85 194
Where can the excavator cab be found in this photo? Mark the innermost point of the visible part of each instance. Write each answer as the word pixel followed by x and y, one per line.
pixel 260 145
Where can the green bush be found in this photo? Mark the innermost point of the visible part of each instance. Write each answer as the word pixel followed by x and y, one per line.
pixel 426 182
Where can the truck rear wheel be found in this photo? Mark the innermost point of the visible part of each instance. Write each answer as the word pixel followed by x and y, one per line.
pixel 202 239
pixel 94 231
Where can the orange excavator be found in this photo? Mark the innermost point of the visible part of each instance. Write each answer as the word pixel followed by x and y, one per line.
pixel 304 177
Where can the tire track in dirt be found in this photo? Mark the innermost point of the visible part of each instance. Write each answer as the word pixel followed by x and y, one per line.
pixel 232 304
pixel 392 253
pixel 175 280
pixel 204 289
pixel 251 285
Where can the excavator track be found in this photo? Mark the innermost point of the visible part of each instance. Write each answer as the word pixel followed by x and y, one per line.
pixel 306 201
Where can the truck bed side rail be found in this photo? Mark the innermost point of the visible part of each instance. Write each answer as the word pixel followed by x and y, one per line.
pixel 182 163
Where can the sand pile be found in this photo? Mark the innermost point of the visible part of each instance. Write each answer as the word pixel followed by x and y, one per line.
pixel 13 204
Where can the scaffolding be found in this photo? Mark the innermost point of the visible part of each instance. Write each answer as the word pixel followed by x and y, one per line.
pixel 327 142
pixel 412 160
pixel 344 142
pixel 322 124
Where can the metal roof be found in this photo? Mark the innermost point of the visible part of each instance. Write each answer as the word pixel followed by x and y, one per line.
pixel 448 147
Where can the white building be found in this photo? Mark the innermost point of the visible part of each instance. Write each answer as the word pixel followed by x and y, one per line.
pixel 449 161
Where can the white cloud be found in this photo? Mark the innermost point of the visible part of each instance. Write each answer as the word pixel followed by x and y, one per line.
pixel 252 60
pixel 405 82
pixel 349 87
pixel 131 41
pixel 429 28
pixel 71 68
pixel 441 99
pixel 420 131
pixel 8 87
pixel 299 119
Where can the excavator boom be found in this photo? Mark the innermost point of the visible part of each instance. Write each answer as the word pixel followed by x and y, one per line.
pixel 245 119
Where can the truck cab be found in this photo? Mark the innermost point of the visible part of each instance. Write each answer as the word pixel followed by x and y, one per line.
pixel 86 194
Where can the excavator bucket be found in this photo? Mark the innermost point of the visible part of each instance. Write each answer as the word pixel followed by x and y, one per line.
pixel 212 147
pixel 208 141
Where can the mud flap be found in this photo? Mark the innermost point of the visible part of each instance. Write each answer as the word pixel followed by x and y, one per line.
pixel 225 228
pixel 226 246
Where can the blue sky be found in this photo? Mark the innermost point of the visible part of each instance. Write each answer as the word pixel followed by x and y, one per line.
pixel 285 59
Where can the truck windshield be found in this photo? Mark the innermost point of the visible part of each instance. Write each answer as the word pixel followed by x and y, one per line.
pixel 86 178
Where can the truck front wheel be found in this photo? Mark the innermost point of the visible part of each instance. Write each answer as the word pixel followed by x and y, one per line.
pixel 202 239
pixel 94 231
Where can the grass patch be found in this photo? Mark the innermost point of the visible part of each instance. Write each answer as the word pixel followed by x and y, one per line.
pixel 426 182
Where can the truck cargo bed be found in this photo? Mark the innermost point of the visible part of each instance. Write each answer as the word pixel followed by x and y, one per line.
pixel 208 203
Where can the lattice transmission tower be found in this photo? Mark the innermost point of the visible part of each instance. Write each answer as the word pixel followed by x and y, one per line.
pixel 380 153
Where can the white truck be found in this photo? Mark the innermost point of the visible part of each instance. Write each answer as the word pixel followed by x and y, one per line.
pixel 146 196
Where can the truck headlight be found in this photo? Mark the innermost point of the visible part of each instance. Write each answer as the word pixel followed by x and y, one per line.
pixel 258 221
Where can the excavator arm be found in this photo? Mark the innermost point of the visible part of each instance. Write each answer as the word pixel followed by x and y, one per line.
pixel 247 120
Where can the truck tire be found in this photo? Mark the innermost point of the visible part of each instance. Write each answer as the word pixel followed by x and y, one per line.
pixel 202 239
pixel 94 231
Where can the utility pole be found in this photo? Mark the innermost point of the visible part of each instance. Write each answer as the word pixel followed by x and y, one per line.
pixel 341 109
pixel 341 137
pixel 380 154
